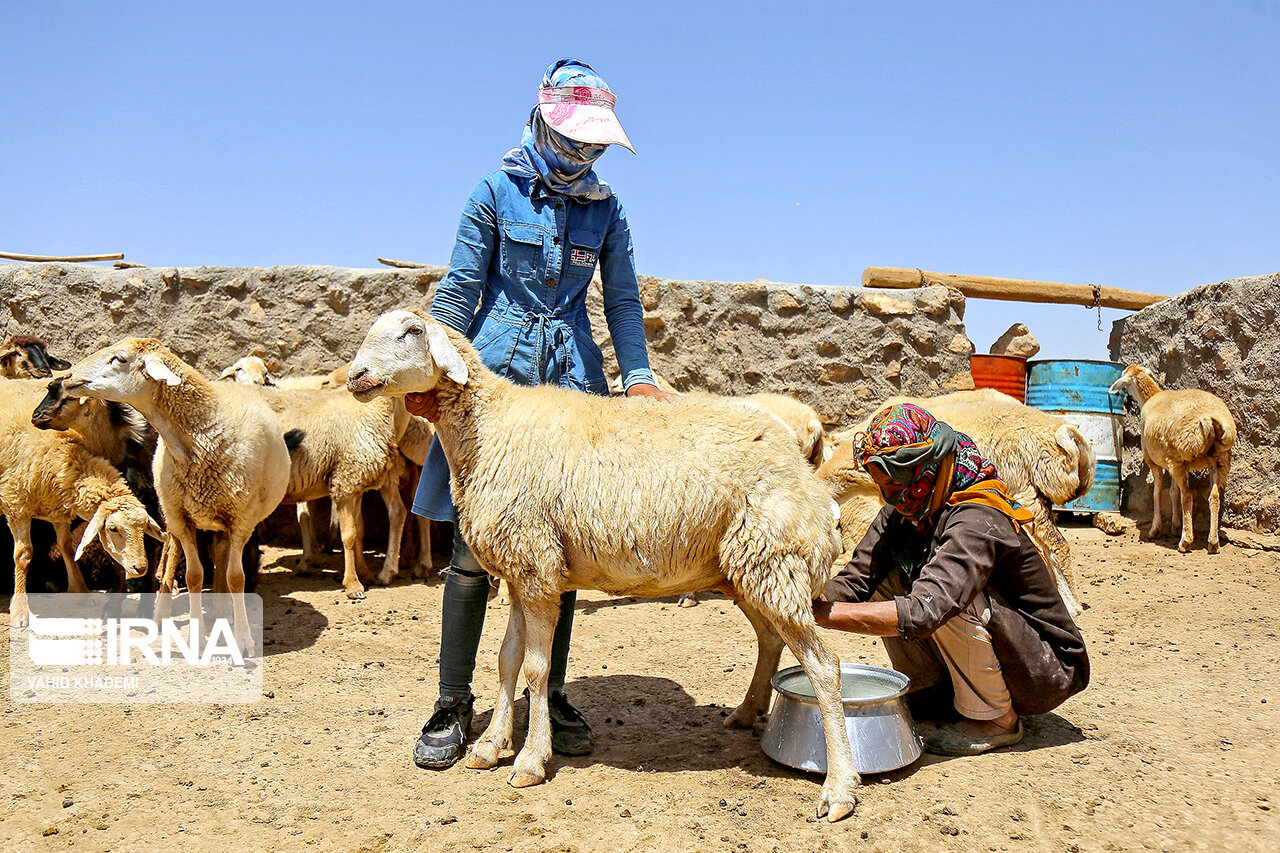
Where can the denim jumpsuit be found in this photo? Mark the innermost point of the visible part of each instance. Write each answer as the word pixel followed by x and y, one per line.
pixel 517 288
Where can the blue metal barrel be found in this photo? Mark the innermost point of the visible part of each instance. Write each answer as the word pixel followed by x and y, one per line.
pixel 1076 391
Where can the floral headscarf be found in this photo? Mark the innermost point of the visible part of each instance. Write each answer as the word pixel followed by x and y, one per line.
pixel 562 165
pixel 937 464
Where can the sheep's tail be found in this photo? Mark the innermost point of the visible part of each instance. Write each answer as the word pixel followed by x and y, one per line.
pixel 293 439
pixel 1218 432
pixel 1079 451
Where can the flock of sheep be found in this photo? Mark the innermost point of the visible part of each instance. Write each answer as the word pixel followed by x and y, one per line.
pixel 700 493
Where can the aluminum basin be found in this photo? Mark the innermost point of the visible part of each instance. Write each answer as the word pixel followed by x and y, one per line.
pixel 881 734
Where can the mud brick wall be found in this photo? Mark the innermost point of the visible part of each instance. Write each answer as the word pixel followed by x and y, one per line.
pixel 1221 338
pixel 840 349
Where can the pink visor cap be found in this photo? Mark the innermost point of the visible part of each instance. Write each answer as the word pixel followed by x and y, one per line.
pixel 583 114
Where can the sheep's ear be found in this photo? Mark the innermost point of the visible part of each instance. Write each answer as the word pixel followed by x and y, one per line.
pixel 154 530
pixel 153 367
pixel 58 363
pixel 95 525
pixel 268 379
pixel 1065 438
pixel 229 373
pixel 445 354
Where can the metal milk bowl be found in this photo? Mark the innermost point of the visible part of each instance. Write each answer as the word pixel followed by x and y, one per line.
pixel 881 733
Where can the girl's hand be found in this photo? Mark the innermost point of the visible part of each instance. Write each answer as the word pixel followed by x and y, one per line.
pixel 647 390
pixel 424 405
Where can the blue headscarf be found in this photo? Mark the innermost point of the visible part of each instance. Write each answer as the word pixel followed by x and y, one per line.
pixel 562 165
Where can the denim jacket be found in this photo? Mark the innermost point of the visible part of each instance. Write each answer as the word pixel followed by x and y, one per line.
pixel 517 287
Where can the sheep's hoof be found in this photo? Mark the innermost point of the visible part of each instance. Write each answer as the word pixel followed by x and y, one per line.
pixel 1213 547
pixel 836 807
pixel 387 576
pixel 742 718
pixel 303 569
pixel 356 593
pixel 19 613
pixel 688 600
pixel 483 755
pixel 1184 547
pixel 523 779
pixel 1153 532
pixel 423 570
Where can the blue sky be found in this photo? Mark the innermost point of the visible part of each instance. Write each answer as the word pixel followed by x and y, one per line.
pixel 1134 144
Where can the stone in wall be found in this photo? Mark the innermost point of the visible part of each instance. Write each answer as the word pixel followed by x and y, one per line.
pixel 1221 338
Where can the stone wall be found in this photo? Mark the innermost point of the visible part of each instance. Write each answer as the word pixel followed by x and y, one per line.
pixel 840 349
pixel 1221 338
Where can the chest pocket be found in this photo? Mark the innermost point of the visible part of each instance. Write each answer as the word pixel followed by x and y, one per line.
pixel 583 252
pixel 523 251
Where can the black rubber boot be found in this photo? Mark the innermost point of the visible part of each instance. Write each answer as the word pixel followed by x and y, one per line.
pixel 570 734
pixel 444 737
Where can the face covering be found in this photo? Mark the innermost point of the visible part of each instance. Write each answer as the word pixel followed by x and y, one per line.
pixel 560 164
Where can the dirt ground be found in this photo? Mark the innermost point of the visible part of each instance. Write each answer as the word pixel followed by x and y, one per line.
pixel 1174 746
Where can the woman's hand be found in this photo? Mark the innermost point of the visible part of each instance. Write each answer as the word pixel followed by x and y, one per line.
pixel 644 389
pixel 424 405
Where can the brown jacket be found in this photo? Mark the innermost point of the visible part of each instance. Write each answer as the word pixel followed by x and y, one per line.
pixel 975 548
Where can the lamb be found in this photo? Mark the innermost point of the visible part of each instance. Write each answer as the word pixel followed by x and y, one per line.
pixel 559 490
pixel 350 449
pixel 26 356
pixel 222 462
pixel 1043 460
pixel 53 476
pixel 252 370
pixel 1182 431
pixel 107 428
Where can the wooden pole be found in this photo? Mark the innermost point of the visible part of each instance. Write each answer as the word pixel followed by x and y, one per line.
pixel 398 264
pixel 1012 289
pixel 119 256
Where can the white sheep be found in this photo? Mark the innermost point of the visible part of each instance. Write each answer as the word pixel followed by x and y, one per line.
pixel 221 464
pixel 558 490
pixel 348 449
pixel 1182 431
pixel 52 476
pixel 1042 459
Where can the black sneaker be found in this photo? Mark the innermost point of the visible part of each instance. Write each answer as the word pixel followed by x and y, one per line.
pixel 570 734
pixel 444 737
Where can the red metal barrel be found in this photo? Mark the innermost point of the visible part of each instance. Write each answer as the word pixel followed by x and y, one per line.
pixel 1007 373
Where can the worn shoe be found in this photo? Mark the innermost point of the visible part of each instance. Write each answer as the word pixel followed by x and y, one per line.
pixel 444 737
pixel 949 740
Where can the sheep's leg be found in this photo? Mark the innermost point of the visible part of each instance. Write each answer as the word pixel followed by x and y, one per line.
pixel 307 524
pixel 769 650
pixel 1175 505
pixel 689 599
pixel 168 577
pixel 539 626
pixel 1179 476
pixel 823 668
pixel 75 580
pixel 218 555
pixel 488 748
pixel 1157 486
pixel 424 566
pixel 1217 479
pixel 195 569
pixel 19 613
pixel 235 542
pixel 396 516
pixel 352 551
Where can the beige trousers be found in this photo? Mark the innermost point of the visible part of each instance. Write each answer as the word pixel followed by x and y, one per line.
pixel 964 645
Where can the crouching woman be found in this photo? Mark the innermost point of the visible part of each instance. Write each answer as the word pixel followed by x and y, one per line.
pixel 950 581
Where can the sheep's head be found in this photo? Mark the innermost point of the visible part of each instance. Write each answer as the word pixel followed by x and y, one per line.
pixel 1131 379
pixel 249 370
pixel 25 356
pixel 125 371
pixel 122 525
pixel 403 353
pixel 59 410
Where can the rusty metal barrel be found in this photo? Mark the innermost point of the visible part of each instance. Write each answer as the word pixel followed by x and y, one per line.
pixel 1006 373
